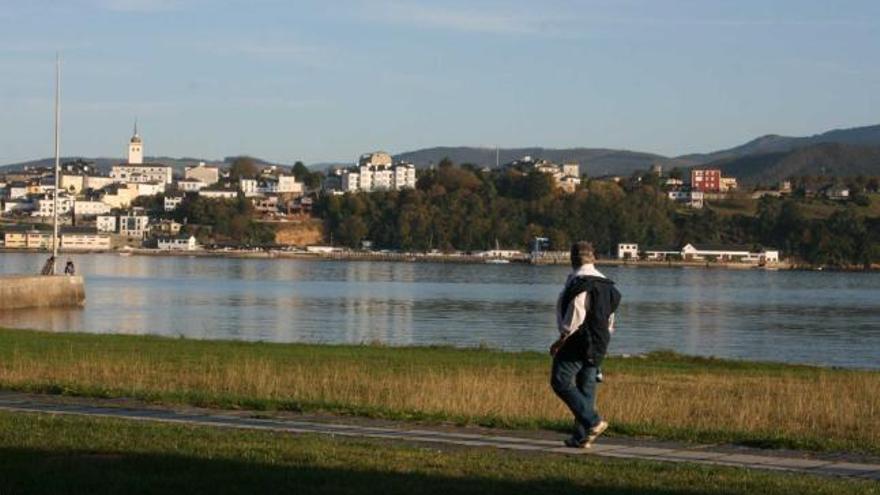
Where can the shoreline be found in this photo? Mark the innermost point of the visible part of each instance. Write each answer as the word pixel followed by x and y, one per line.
pixel 430 258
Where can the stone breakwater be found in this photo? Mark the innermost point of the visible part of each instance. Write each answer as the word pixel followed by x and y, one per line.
pixel 20 291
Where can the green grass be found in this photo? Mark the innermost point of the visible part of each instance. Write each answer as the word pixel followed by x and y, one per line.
pixel 57 455
pixel 663 395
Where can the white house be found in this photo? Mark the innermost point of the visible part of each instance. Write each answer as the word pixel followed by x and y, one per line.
pixel 134 225
pixel 191 185
pixel 172 202
pixel 708 252
pixel 693 199
pixel 148 172
pixel 90 208
pixel 627 251
pixel 46 206
pixel 249 187
pixel 218 193
pixel 177 243
pixel 150 188
pixel 203 173
pixel 84 239
pixel 107 223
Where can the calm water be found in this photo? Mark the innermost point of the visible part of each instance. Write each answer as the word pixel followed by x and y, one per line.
pixel 822 318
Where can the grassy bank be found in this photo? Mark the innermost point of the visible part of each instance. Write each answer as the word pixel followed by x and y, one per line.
pixel 46 454
pixel 664 395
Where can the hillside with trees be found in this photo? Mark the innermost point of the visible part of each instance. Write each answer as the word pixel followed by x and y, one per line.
pixel 460 208
pixel 829 160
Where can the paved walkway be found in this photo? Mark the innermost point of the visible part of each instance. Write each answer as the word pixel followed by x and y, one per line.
pixel 605 447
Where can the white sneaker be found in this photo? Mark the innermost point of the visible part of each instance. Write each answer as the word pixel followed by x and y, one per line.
pixel 596 431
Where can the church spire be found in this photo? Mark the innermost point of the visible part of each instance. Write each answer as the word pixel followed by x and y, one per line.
pixel 135 127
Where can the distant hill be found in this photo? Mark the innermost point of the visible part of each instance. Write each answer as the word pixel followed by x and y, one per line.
pixel 830 159
pixel 857 136
pixel 594 161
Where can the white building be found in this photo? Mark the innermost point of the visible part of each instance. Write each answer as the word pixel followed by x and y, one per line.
pixel 84 239
pixel 376 172
pixel 107 223
pixel 134 225
pixel 707 252
pixel 90 208
pixel 288 184
pixel 172 202
pixel 97 182
pixel 693 199
pixel 17 190
pixel 46 206
pixel 191 185
pixel 119 195
pixel 177 243
pixel 150 172
pixel 150 188
pixel 218 193
pixel 203 173
pixel 351 181
pixel 404 176
pixel 250 187
pixel 627 251
pixel 135 170
pixel 135 147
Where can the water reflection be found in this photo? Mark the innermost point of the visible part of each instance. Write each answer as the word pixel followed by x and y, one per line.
pixel 748 314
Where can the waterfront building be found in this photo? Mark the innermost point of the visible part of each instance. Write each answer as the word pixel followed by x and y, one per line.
pixel 177 243
pixel 627 251
pixel 166 227
pixel 707 252
pixel 79 238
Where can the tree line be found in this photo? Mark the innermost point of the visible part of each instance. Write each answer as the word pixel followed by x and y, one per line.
pixel 463 208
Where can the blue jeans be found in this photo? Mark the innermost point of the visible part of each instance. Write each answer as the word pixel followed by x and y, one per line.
pixel 574 381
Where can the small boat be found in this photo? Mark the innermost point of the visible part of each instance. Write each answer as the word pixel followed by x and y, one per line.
pixel 497 261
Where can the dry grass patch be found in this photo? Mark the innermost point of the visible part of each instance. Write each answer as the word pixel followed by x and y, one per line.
pixel 665 395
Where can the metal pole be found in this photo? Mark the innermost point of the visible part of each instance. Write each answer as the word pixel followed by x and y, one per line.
pixel 57 162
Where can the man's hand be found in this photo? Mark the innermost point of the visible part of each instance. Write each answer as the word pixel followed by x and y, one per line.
pixel 554 348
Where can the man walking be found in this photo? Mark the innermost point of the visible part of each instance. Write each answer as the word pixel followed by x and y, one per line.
pixel 585 318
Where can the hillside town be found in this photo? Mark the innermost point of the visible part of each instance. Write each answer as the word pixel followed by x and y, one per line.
pixel 138 204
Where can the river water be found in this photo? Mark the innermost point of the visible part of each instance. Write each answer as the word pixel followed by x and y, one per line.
pixel 801 317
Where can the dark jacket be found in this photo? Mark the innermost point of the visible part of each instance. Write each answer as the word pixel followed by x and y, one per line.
pixel 590 340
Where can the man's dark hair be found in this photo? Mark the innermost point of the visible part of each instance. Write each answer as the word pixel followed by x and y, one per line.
pixel 582 253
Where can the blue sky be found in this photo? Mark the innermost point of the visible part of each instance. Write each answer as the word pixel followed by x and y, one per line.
pixel 327 80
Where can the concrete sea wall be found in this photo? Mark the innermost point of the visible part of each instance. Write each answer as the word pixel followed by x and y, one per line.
pixel 41 291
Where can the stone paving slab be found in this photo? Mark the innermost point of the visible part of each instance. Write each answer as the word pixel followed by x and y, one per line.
pixel 627 449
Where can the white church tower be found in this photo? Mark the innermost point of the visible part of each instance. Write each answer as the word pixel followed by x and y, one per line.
pixel 135 148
